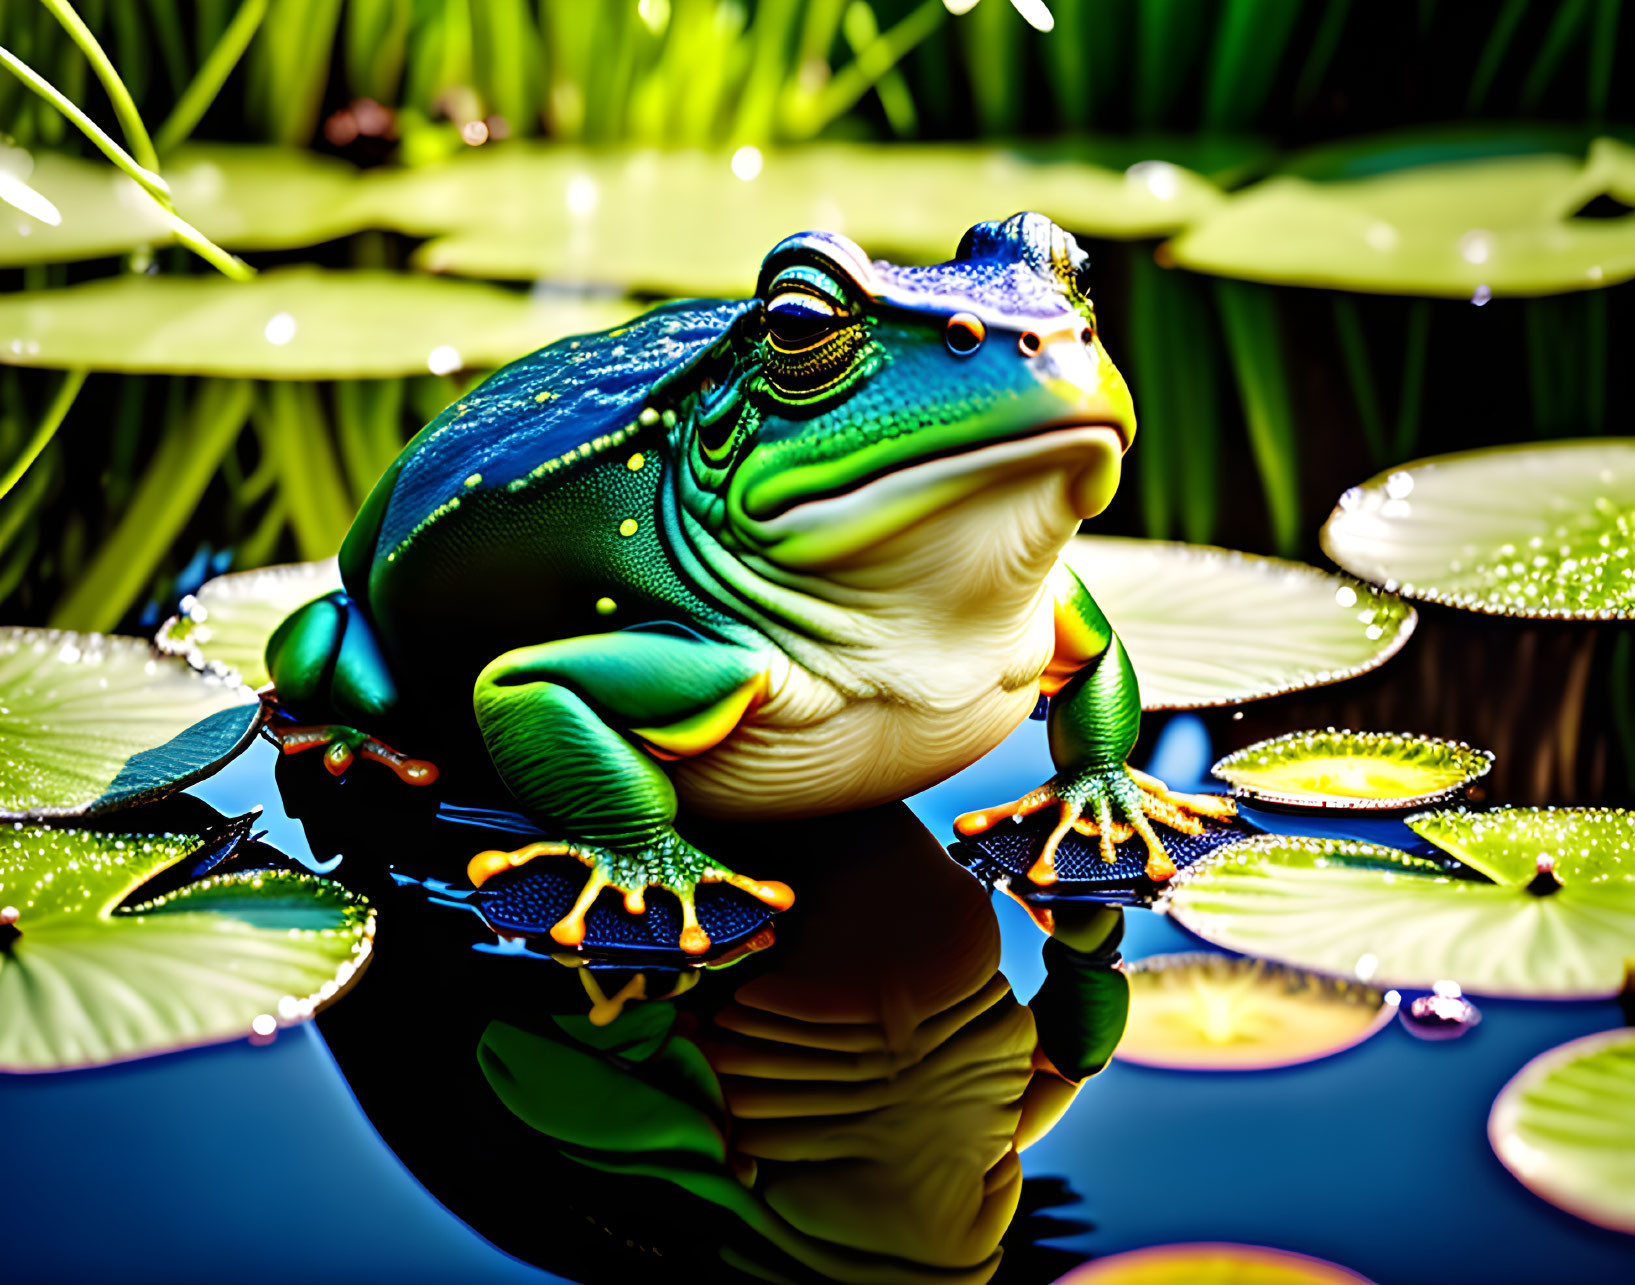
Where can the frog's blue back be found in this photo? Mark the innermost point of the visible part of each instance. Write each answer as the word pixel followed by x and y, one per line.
pixel 541 413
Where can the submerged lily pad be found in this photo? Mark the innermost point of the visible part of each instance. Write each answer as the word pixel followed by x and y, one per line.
pixel 245 198
pixel 1506 225
pixel 1565 1126
pixel 1208 1012
pixel 91 722
pixel 654 220
pixel 1211 1264
pixel 1557 920
pixel 85 980
pixel 224 627
pixel 1206 626
pixel 1367 770
pixel 1544 530
pixel 294 323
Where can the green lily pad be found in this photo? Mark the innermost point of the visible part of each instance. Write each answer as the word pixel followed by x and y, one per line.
pixel 1206 626
pixel 1543 530
pixel 1336 769
pixel 295 323
pixel 1556 922
pixel 1208 1012
pixel 91 722
pixel 246 198
pixel 1210 1264
pixel 1565 1126
pixel 1506 225
pixel 85 980
pixel 224 627
pixel 683 223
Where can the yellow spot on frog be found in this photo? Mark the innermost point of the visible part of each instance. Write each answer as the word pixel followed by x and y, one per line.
pixel 474 479
pixel 606 606
pixel 628 527
pixel 543 397
pixel 635 462
pixel 622 330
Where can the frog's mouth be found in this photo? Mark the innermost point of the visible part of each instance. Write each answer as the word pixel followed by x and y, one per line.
pixel 810 526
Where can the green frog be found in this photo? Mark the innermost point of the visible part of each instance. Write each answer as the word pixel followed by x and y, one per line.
pixel 760 558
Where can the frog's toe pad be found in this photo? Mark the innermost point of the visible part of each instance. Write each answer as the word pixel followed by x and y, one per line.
pixel 671 864
pixel 343 745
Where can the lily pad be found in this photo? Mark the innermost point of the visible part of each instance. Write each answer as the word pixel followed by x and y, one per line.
pixel 246 198
pixel 85 980
pixel 1565 1126
pixel 1364 770
pixel 294 323
pixel 1506 225
pixel 655 220
pixel 1206 626
pixel 224 627
pixel 1211 1264
pixel 1555 919
pixel 91 722
pixel 1208 1012
pixel 1543 530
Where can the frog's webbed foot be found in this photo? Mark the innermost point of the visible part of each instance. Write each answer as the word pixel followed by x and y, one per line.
pixel 1111 804
pixel 667 862
pixel 343 745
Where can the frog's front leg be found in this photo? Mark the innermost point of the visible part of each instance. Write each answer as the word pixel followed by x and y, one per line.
pixel 1095 715
pixel 577 729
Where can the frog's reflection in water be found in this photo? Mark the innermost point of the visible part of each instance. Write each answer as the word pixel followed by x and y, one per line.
pixel 847 1104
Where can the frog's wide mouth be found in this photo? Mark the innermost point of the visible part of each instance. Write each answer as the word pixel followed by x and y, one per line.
pixel 821 529
pixel 787 492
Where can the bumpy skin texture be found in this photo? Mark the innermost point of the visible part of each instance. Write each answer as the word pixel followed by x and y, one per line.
pixel 779 556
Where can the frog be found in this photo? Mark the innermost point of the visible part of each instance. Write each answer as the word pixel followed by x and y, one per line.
pixel 764 558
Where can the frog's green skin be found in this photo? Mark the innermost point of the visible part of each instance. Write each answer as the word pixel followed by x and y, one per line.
pixel 783 556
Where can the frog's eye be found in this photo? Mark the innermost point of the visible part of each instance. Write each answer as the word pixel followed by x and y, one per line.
pixel 796 320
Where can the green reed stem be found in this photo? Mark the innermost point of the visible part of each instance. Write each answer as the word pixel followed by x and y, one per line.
pixel 1603 48
pixel 854 80
pixel 211 76
pixel 188 457
pixel 1569 18
pixel 130 120
pixel 228 265
pixel 72 382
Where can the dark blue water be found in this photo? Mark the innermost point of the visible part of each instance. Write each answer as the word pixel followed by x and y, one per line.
pixel 256 1164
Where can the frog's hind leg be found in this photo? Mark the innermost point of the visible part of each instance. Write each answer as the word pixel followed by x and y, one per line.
pixel 330 678
pixel 577 729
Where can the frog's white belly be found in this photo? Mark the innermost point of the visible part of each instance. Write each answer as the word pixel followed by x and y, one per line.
pixel 931 706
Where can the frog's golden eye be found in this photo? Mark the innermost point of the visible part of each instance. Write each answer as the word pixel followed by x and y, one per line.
pixel 796 320
pixel 964 334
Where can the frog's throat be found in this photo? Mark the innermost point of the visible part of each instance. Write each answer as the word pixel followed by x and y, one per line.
pixel 830 531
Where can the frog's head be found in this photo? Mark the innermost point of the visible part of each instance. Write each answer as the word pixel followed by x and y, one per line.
pixel 859 399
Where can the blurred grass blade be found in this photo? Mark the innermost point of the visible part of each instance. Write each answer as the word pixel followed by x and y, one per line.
pixel 772 36
pixel 377 43
pixel 130 120
pixel 289 67
pixel 892 89
pixel 1323 48
pixel 992 42
pixel 1249 316
pixel 179 471
pixel 1249 42
pixel 1499 37
pixel 859 76
pixel 1168 38
pixel 211 76
pixel 1354 351
pixel 290 421
pixel 1415 344
pixel 1563 30
pixel 72 381
pixel 505 62
pixel 1603 51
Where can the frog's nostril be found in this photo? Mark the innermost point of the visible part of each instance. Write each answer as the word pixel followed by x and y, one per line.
pixel 1029 343
pixel 964 334
pixel 1087 336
